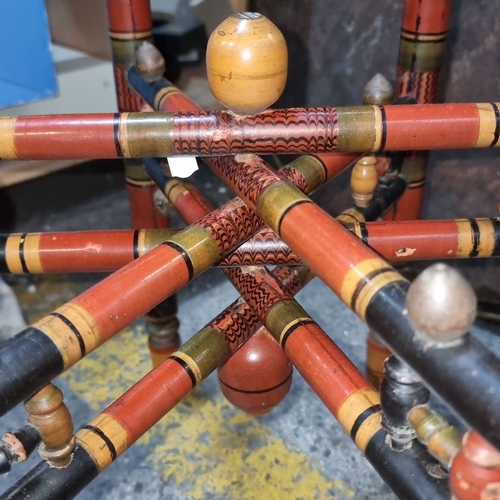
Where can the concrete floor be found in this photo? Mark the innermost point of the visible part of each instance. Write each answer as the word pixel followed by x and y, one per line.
pixel 205 449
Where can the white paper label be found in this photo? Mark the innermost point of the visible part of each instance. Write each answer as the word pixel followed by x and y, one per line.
pixel 182 166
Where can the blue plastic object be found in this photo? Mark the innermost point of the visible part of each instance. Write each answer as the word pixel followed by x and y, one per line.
pixel 27 71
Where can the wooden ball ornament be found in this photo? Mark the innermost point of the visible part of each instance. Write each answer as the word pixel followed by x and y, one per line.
pixel 475 470
pixel 258 376
pixel 247 63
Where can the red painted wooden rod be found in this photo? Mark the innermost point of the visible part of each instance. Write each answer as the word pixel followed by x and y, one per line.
pixel 91 251
pixel 82 325
pixel 259 375
pixel 364 281
pixel 296 130
pixel 331 374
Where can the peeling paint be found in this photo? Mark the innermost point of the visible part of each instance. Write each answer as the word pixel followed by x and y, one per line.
pixel 405 252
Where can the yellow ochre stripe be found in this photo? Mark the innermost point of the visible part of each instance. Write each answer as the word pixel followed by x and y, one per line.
pixel 357 281
pixel 162 94
pixel 191 363
pixel 12 255
pixel 7 144
pixel 64 336
pixel 465 240
pixel 487 237
pixel 286 329
pixel 371 288
pixel 487 125
pixel 23 246
pixel 32 252
pixel 141 242
pixel 122 136
pixel 97 442
pixel 378 129
pixel 367 430
pixel 137 35
pixel 419 37
pixel 355 405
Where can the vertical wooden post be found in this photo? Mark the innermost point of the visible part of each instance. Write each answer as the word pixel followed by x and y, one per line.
pixel 130 25
pixel 423 37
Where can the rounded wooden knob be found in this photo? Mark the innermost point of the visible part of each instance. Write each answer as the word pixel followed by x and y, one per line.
pixel 441 304
pixel 50 416
pixel 258 376
pixel 364 179
pixel 247 62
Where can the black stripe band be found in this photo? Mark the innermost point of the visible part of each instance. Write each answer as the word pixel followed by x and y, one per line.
pixel 136 244
pixel 139 183
pixel 4 268
pixel 116 134
pixel 261 391
pixel 384 128
pixel 421 33
pixel 364 232
pixel 138 34
pixel 186 367
pixel 347 215
pixel 21 253
pixel 497 125
pixel 476 238
pixel 364 281
pixel 496 228
pixel 185 256
pixel 284 214
pixel 105 438
pixel 413 39
pixel 74 329
pixel 172 185
pixel 362 418
pixel 292 328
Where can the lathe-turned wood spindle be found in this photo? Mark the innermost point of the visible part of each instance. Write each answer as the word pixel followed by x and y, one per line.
pixel 364 179
pixel 50 416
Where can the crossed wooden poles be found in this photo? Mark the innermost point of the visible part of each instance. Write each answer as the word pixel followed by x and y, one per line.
pixel 364 281
pixel 158 262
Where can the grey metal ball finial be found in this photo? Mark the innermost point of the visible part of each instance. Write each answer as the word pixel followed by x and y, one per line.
pixel 441 304
pixel 378 91
pixel 149 62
